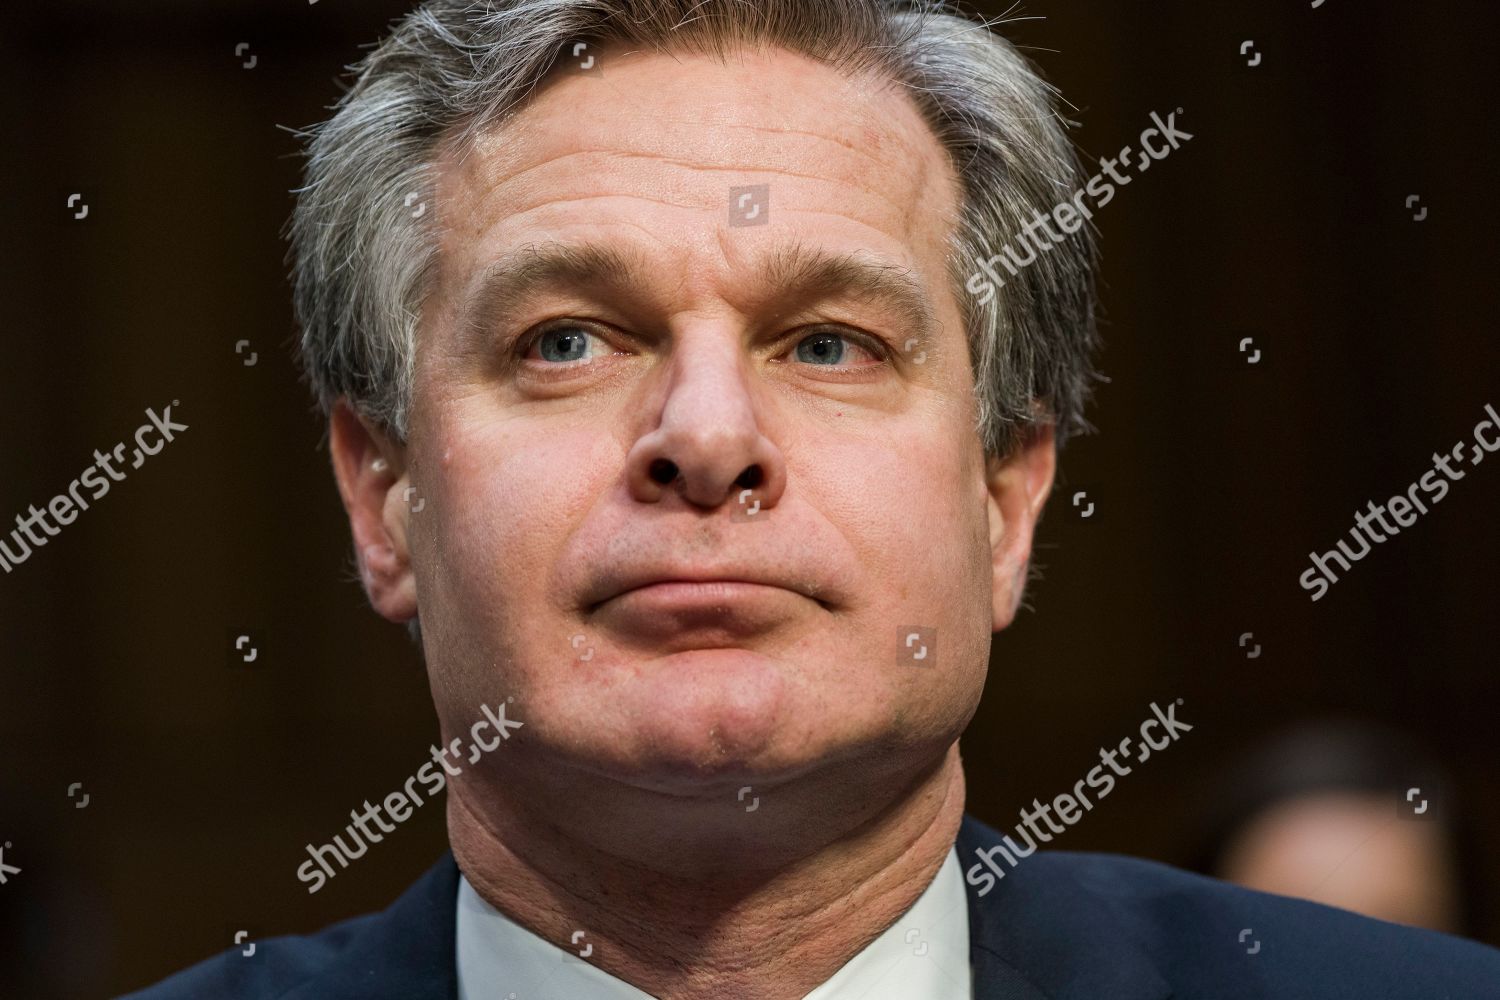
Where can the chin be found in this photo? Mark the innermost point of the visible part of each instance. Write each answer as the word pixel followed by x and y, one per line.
pixel 683 721
pixel 706 712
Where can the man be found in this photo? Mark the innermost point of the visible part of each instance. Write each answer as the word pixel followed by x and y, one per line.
pixel 654 386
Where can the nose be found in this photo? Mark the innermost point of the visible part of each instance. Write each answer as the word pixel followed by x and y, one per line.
pixel 708 445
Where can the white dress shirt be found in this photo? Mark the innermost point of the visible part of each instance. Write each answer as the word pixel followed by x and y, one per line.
pixel 924 955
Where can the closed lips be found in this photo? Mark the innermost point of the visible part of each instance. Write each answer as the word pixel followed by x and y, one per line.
pixel 613 587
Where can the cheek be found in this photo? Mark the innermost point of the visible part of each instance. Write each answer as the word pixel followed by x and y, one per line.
pixel 508 498
pixel 908 507
pixel 908 504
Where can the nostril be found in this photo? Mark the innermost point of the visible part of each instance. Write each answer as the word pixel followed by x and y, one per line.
pixel 750 478
pixel 663 471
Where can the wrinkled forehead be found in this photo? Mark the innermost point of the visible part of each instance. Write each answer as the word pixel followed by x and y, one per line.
pixel 694 156
pixel 674 102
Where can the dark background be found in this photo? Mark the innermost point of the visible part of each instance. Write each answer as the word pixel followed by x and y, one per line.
pixel 1283 219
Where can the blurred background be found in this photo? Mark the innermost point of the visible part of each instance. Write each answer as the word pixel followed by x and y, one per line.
pixel 1285 220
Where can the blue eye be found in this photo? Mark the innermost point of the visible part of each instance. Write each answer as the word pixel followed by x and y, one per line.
pixel 821 349
pixel 563 344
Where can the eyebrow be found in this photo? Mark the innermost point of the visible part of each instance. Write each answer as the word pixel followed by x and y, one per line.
pixel 795 271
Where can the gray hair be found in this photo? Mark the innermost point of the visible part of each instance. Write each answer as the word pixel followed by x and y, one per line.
pixel 363 259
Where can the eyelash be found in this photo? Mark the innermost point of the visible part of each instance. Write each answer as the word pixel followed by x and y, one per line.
pixel 531 339
pixel 876 346
pixel 870 343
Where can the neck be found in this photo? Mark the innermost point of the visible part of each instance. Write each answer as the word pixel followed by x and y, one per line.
pixel 695 897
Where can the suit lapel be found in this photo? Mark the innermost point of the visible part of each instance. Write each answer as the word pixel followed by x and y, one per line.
pixel 1039 934
pixel 407 952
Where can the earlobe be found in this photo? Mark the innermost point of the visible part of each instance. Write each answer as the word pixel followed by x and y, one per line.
pixel 371 473
pixel 1018 487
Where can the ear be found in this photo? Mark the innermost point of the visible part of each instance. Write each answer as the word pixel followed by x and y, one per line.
pixel 371 471
pixel 1018 486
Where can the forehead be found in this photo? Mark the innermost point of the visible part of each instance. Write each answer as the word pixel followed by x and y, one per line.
pixel 646 153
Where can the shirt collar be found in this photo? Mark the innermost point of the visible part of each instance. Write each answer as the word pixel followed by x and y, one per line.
pixel 925 953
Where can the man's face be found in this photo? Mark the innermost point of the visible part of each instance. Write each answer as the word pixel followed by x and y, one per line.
pixel 628 374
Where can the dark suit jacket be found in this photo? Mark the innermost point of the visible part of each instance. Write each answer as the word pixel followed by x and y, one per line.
pixel 1059 926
